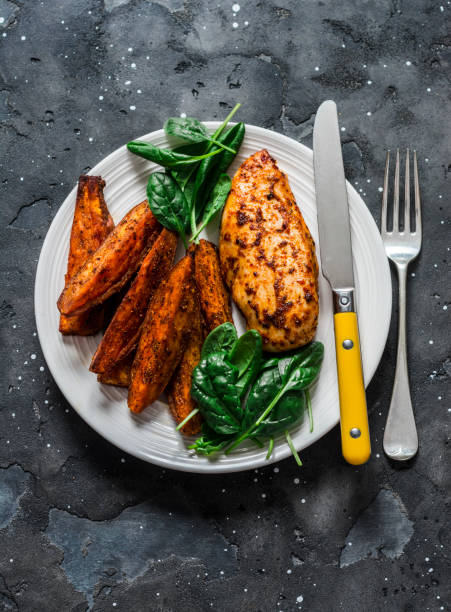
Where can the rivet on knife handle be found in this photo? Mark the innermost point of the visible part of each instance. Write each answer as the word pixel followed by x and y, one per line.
pixel 355 436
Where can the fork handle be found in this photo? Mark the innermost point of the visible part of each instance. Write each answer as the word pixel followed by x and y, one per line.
pixel 400 437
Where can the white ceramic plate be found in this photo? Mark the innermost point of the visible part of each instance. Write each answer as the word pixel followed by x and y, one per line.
pixel 151 435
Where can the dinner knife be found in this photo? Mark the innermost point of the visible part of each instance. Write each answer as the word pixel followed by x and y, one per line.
pixel 336 262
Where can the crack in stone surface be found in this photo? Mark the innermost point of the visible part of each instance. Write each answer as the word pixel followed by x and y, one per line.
pixel 383 528
pixel 130 542
pixel 13 484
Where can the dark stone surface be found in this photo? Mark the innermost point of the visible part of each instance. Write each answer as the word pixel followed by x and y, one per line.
pixel 70 504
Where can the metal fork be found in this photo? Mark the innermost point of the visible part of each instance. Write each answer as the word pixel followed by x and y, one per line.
pixel 401 247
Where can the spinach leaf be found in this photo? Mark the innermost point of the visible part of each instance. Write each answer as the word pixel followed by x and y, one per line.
pixel 279 377
pixel 246 355
pixel 192 130
pixel 222 338
pixel 210 169
pixel 165 157
pixel 215 203
pixel 210 441
pixel 183 174
pixel 168 203
pixel 214 389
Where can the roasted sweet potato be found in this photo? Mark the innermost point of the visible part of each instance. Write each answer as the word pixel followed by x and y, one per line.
pixel 179 389
pixel 164 337
pixel 91 224
pixel 113 264
pixel 122 334
pixel 213 296
pixel 119 375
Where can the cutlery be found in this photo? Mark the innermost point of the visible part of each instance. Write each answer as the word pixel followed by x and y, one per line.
pixel 336 263
pixel 401 247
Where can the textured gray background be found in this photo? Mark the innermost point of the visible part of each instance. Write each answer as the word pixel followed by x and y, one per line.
pixel 83 526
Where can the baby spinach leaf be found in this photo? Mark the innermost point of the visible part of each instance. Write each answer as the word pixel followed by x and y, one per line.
pixel 246 355
pixel 215 203
pixel 190 129
pixel 222 338
pixel 278 378
pixel 210 442
pixel 214 389
pixel 165 157
pixel 207 175
pixel 168 203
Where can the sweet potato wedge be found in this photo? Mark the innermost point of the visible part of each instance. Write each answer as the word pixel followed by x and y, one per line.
pixel 119 375
pixel 164 337
pixel 116 260
pixel 91 224
pixel 213 296
pixel 178 391
pixel 122 334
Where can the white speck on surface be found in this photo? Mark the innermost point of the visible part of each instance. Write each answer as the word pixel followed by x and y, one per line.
pixel 234 24
pixel 296 480
pixel 90 139
pixel 380 189
pixel 369 113
pixel 299 599
pixel 431 342
pixel 132 107
pixel 139 91
pixel 441 9
pixel 100 97
pixel 33 356
pixel 263 495
pixel 445 307
pixel 428 89
pixel 343 129
pixel 370 82
pixel 23 38
pixel 276 470
pixel 236 8
pixel 183 115
pixel 127 83
pixel 413 274
pixel 11 560
pixel 288 571
pixel 133 65
pixel 302 501
pixel 316 68
pixel 246 23
pixel 130 49
pixel 426 559
pixel 2 20
pixel 48 445
pixel 41 369
pixel 430 570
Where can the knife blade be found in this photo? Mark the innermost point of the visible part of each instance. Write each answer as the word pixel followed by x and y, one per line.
pixel 336 263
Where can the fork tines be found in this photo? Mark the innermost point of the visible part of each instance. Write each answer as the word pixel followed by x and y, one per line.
pixel 396 215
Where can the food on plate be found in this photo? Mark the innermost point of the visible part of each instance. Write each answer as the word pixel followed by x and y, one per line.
pixel 181 402
pixel 122 334
pixel 91 224
pixel 194 188
pixel 119 375
pixel 213 296
pixel 268 256
pixel 164 337
pixel 109 268
pixel 173 329
pixel 241 394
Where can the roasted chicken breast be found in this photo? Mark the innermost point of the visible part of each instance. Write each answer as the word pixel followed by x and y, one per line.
pixel 267 256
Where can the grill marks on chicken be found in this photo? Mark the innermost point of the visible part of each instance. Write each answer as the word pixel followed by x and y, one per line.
pixel 268 256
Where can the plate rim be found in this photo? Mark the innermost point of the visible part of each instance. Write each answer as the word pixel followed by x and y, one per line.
pixel 204 468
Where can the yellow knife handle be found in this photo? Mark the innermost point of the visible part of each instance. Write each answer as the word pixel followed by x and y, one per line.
pixel 355 435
